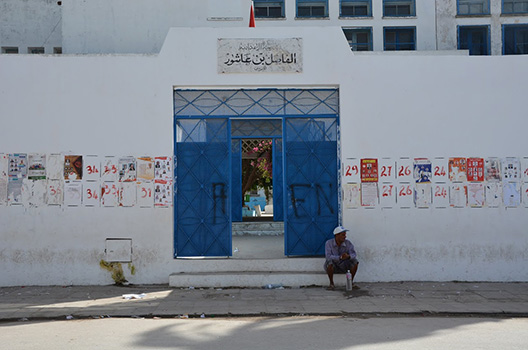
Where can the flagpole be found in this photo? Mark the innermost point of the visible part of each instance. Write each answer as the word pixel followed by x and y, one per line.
pixel 251 17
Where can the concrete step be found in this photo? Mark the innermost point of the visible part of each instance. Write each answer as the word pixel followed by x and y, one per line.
pixel 223 273
pixel 270 228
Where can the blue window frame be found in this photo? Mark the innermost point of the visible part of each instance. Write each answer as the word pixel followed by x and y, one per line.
pixel 269 8
pixel 473 7
pixel 514 6
pixel 476 39
pixel 359 39
pixel 399 38
pixel 355 8
pixel 515 39
pixel 399 8
pixel 312 8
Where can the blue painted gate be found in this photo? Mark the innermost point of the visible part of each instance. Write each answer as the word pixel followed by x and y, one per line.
pixel 207 165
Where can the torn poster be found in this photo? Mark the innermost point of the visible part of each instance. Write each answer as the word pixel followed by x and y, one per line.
pixel 404 170
pixel 3 191
pixel 492 169
pixel 422 170
pixel 14 191
pixel 476 193
pixel 524 194
pixel 109 194
pixel 511 194
pixel 423 195
pixel 387 169
pixel 145 194
pixel 145 168
pixel 91 194
pixel 440 170
pixel 163 168
pixel 73 193
pixel 109 169
pixel 37 167
pixel 17 166
pixel 73 168
pixel 127 169
pixel 351 170
pixel 55 196
pixel 162 193
pixel 511 169
pixel 441 196
pixel 387 195
pixel 4 158
pixel 369 194
pixel 369 170
pixel 55 167
pixel 524 169
pixel 458 195
pixel 475 169
pixel 127 194
pixel 405 195
pixel 457 169
pixel 493 194
pixel 34 193
pixel 92 168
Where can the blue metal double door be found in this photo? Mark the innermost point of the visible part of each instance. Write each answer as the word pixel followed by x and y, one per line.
pixel 208 195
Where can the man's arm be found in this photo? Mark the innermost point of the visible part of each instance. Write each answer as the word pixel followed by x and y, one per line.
pixel 351 250
pixel 330 254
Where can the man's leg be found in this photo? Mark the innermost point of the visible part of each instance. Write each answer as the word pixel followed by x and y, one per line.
pixel 330 273
pixel 353 270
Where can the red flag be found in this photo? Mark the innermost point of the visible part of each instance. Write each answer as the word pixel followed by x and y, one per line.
pixel 251 17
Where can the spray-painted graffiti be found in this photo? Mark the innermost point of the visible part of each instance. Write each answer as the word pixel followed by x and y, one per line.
pixel 300 193
pixel 219 195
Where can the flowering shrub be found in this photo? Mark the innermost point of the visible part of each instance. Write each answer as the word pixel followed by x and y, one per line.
pixel 258 172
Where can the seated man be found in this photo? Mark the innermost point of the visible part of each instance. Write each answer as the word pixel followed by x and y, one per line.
pixel 340 256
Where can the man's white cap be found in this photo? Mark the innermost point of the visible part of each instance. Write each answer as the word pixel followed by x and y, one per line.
pixel 339 229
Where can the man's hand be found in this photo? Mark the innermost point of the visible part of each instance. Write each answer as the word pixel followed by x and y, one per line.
pixel 344 256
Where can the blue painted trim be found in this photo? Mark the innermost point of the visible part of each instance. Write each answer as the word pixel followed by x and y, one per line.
pixel 473 14
pixel 413 8
pixel 325 15
pixel 475 27
pixel 398 28
pixel 369 9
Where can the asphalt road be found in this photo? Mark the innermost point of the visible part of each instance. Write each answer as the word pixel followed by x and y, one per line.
pixel 268 333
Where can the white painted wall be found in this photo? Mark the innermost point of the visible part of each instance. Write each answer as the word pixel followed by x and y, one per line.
pixel 30 23
pixel 391 106
pixel 140 26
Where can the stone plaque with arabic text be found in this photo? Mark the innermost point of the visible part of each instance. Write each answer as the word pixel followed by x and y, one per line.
pixel 260 55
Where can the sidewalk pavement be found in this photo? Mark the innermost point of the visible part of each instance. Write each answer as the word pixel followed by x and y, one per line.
pixel 372 300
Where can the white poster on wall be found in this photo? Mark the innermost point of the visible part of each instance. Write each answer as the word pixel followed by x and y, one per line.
pixel 3 178
pixel 511 169
pixel 511 194
pixel 369 194
pixel 476 194
pixel 351 170
pixel 458 195
pixel 405 195
pixel 34 193
pixel 386 170
pixel 423 195
pixel 145 169
pixel 109 170
pixel 73 194
pixel 55 167
pixel 163 168
pixel 162 193
pixel 493 194
pixel 127 169
pixel 524 195
pixel 92 168
pixel 145 194
pixel 54 192
pixel 387 195
pixel 127 194
pixel 91 194
pixel 404 170
pixel 109 194
pixel 439 170
pixel 441 195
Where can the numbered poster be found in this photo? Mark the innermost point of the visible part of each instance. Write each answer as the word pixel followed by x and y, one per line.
pixel 14 191
pixel 440 170
pixel 91 194
pixel 387 195
pixel 492 169
pixel 351 170
pixel 369 170
pixel 127 194
pixel 387 170
pixel 369 194
pixel 493 194
pixel 92 168
pixel 73 168
pixel 54 193
pixel 109 194
pixel 404 170
pixel 37 167
pixel 511 169
pixel 163 168
pixel 476 193
pixel 162 193
pixel 423 195
pixel 457 169
pixel 441 196
pixel 109 169
pixel 145 194
pixel 127 169
pixel 475 169
pixel 145 168
pixel 405 195
pixel 422 170
pixel 524 169
pixel 17 164
pixel 524 195
pixel 458 195
pixel 511 194
pixel 55 167
pixel 73 194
